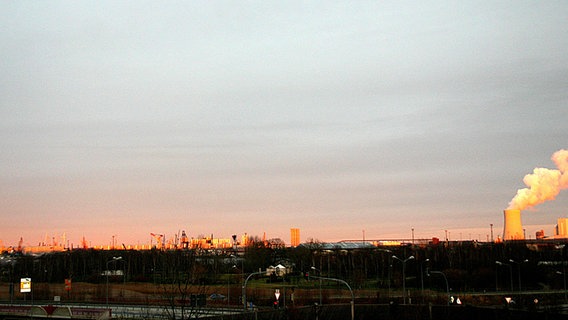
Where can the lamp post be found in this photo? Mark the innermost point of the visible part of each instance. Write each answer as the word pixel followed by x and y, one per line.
pixel 319 272
pixel 389 266
pixel 245 288
pixel 510 271
pixel 565 295
pixel 422 277
pixel 114 259
pixel 564 276
pixel 447 285
pixel 235 258
pixel 390 276
pixel 518 271
pixel 403 275
pixel 229 286
pixel 561 248
pixel 350 290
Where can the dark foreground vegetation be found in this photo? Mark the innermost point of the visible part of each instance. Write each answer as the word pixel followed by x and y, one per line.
pixel 531 275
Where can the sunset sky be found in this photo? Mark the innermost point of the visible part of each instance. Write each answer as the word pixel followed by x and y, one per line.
pixel 122 118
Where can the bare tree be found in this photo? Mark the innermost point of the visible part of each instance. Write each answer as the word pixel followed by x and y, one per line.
pixel 182 286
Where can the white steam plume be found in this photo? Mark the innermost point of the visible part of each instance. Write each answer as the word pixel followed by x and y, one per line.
pixel 543 184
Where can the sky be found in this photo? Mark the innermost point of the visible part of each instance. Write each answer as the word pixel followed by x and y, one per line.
pixel 345 119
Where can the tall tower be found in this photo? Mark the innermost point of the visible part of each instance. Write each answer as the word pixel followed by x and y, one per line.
pixel 513 228
pixel 294 237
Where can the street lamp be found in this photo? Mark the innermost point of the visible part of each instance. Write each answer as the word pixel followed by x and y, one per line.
pixel 245 287
pixel 422 277
pixel 114 259
pixel 564 276
pixel 389 269
pixel 242 267
pixel 403 275
pixel 445 279
pixel 561 248
pixel 229 286
pixel 518 270
pixel 350 290
pixel 319 272
pixel 510 271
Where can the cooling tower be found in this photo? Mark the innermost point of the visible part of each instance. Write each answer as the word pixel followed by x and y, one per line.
pixel 513 229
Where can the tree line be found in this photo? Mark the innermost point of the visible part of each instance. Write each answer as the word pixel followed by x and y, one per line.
pixel 468 266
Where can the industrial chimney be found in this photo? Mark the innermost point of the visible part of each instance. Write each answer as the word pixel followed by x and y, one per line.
pixel 513 229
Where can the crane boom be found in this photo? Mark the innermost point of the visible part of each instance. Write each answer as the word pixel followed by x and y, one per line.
pixel 159 239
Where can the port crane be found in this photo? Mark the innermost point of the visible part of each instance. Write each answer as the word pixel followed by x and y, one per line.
pixel 84 244
pixel 159 239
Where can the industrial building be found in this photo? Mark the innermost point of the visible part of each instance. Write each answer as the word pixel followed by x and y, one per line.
pixel 561 228
pixel 512 226
pixel 294 237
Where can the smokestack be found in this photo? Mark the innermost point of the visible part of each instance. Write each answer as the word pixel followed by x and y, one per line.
pixel 513 228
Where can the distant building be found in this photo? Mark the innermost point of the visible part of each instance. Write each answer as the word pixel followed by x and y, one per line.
pixel 279 270
pixel 211 243
pixel 294 237
pixel 330 246
pixel 562 228
pixel 42 249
